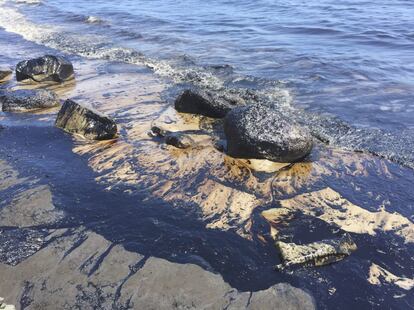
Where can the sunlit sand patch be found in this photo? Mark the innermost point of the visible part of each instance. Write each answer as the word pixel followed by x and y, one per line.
pixel 329 206
pixel 378 275
pixel 334 163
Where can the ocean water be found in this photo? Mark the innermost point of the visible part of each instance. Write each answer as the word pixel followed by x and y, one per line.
pixel 348 62
pixel 344 68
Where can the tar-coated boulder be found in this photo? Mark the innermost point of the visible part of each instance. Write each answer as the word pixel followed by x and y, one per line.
pixel 205 103
pixel 26 100
pixel 260 132
pixel 78 119
pixel 46 68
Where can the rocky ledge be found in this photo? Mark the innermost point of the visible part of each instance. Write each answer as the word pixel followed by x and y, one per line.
pixel 25 100
pixel 75 118
pixel 46 68
pixel 258 131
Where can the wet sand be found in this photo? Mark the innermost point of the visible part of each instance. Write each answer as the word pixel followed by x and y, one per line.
pixel 134 222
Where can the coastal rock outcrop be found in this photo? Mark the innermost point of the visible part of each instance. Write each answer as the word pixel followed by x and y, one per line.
pixel 260 132
pixel 25 100
pixel 46 68
pixel 317 253
pixel 204 103
pixel 75 118
pixel 4 74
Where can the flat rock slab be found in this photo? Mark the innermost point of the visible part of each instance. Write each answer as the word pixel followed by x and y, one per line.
pixel 260 132
pixel 78 119
pixel 25 100
pixel 317 253
pixel 205 103
pixel 46 68
pixel 81 269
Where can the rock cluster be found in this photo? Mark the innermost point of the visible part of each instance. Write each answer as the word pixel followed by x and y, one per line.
pixel 72 117
pixel 75 118
pixel 25 100
pixel 252 131
pixel 46 68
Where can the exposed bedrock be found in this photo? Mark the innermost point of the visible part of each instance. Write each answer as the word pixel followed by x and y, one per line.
pixel 78 119
pixel 317 253
pixel 206 103
pixel 5 74
pixel 46 68
pixel 25 100
pixel 260 132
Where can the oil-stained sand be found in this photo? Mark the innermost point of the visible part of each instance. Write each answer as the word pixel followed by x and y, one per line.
pixel 198 205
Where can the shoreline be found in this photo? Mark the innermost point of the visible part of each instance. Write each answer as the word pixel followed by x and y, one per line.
pixel 223 194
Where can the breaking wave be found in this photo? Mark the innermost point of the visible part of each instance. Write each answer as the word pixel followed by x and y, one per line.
pixel 395 146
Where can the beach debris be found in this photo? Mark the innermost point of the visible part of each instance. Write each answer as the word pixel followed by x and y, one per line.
pixel 5 74
pixel 46 68
pixel 78 119
pixel 177 139
pixel 260 132
pixel 25 100
pixel 205 103
pixel 317 253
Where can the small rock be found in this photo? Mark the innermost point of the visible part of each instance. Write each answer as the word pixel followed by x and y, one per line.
pixel 25 100
pixel 260 132
pixel 317 253
pixel 75 118
pixel 4 74
pixel 177 139
pixel 204 103
pixel 46 68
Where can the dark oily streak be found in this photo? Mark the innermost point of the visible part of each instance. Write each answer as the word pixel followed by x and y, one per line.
pixel 75 118
pixel 46 68
pixel 24 100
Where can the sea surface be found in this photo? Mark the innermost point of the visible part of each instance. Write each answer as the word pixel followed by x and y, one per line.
pixel 351 61
pixel 343 68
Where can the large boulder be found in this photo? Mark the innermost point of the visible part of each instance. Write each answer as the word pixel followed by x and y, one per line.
pixel 25 100
pixel 46 68
pixel 4 74
pixel 260 132
pixel 75 118
pixel 205 103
